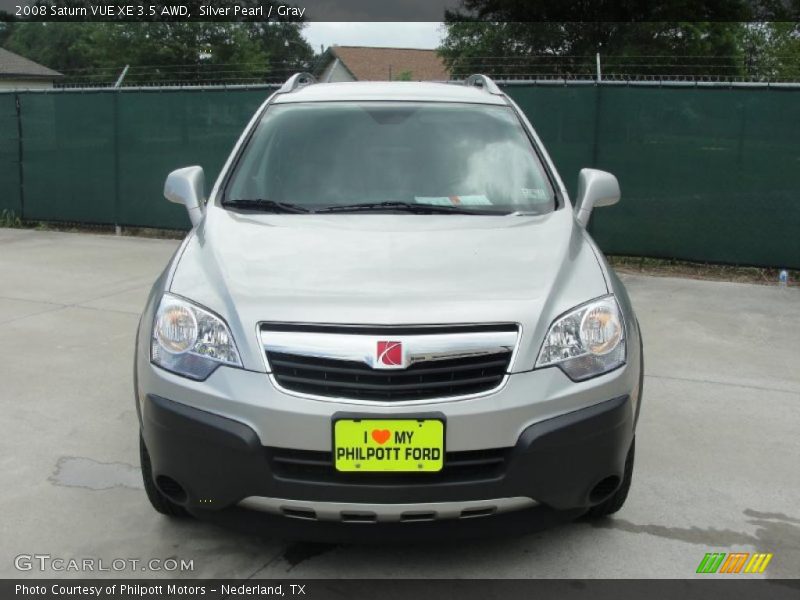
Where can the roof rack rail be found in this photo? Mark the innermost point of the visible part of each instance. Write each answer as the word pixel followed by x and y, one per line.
pixel 483 81
pixel 296 81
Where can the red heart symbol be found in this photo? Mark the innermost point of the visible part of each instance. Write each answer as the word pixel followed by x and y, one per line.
pixel 381 435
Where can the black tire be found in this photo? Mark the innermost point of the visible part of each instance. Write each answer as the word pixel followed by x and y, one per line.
pixel 614 502
pixel 158 500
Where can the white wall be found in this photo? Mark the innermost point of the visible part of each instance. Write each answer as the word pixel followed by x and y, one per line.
pixel 25 84
pixel 336 71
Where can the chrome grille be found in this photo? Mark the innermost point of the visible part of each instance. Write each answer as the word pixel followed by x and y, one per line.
pixel 346 379
pixel 342 363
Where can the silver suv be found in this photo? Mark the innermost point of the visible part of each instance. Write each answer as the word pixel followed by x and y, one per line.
pixel 388 310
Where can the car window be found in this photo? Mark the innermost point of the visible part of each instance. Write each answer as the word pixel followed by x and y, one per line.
pixel 318 155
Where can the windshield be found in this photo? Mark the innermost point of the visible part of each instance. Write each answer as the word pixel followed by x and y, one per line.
pixel 320 155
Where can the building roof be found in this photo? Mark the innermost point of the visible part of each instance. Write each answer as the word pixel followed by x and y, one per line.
pixel 368 63
pixel 409 91
pixel 16 66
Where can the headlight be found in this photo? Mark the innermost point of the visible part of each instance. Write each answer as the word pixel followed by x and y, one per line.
pixel 189 340
pixel 587 341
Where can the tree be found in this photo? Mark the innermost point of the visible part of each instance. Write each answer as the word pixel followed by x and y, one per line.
pixel 284 44
pixel 5 28
pixel 514 49
pixel 65 47
pixel 560 38
pixel 180 52
pixel 772 50
pixel 785 46
pixel 158 52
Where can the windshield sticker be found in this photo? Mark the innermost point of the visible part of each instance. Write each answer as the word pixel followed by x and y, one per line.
pixel 474 200
pixel 534 194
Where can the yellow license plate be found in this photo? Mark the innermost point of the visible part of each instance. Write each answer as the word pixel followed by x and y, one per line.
pixel 370 445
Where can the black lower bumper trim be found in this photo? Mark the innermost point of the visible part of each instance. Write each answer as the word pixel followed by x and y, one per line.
pixel 220 461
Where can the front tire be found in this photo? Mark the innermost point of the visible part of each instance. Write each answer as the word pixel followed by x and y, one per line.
pixel 158 501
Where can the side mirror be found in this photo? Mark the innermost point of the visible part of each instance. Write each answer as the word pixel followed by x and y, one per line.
pixel 595 188
pixel 187 186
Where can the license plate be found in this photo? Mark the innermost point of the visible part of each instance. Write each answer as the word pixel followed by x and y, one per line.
pixel 373 445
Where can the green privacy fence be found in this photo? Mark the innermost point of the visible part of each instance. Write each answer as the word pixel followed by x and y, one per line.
pixel 707 173
pixel 101 157
pixel 9 155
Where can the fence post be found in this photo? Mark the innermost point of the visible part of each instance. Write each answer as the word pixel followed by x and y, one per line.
pixel 21 169
pixel 117 228
pixel 598 104
pixel 122 76
pixel 599 74
pixel 598 95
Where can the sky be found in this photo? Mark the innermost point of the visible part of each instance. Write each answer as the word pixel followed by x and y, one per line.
pixel 396 35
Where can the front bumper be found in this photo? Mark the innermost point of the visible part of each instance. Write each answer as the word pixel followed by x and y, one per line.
pixel 283 420
pixel 560 462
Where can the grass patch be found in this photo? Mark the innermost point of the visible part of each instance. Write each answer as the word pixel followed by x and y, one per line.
pixel 8 218
pixel 691 270
pixel 98 229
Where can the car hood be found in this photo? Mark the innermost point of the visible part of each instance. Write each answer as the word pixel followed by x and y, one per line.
pixel 389 269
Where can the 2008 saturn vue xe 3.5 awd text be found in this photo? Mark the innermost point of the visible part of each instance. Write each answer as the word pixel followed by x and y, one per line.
pixel 388 310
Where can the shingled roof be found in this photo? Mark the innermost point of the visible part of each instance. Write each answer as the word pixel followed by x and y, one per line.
pixel 18 67
pixel 367 63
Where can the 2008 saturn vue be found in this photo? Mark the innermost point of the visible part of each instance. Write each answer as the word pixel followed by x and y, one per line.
pixel 388 310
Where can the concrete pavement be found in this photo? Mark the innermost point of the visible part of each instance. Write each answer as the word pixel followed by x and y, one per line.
pixel 717 453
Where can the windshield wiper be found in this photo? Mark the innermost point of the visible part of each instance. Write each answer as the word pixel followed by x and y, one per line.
pixel 411 207
pixel 265 205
